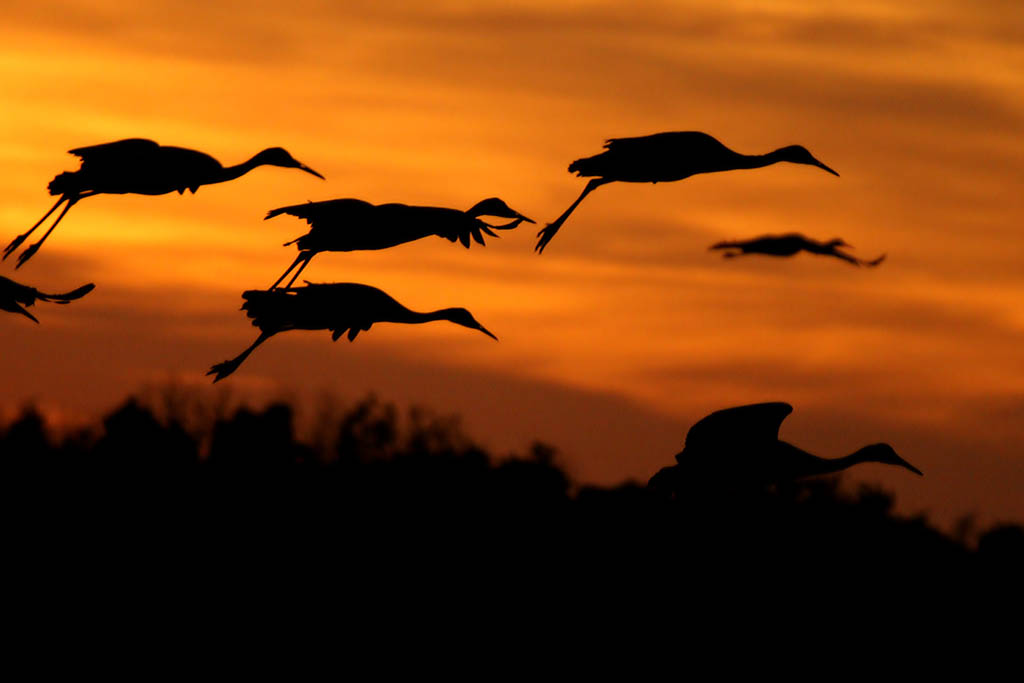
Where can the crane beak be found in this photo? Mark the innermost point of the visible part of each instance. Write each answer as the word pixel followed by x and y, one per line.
pixel 486 331
pixel 910 467
pixel 823 166
pixel 307 169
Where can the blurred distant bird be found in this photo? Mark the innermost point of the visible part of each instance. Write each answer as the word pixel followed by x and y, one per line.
pixel 339 307
pixel 665 157
pixel 354 225
pixel 741 445
pixel 138 166
pixel 12 294
pixel 789 244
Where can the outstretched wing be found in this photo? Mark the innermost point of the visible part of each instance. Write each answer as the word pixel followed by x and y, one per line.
pixel 122 152
pixel 318 306
pixel 684 143
pixel 330 212
pixel 744 429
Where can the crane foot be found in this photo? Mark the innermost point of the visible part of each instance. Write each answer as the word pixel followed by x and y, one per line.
pixel 26 255
pixel 222 370
pixel 15 243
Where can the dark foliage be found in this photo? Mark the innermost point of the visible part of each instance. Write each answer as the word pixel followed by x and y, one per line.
pixel 382 495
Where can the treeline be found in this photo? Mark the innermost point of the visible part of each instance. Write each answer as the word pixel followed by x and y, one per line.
pixel 369 474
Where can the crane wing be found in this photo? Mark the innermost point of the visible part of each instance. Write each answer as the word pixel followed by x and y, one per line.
pixel 120 152
pixel 744 429
pixel 328 212
pixel 684 143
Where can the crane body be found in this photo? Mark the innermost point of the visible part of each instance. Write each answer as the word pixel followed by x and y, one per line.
pixel 357 225
pixel 666 157
pixel 139 166
pixel 344 308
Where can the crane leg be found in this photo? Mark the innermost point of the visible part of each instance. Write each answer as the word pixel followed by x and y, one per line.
pixel 301 268
pixel 16 242
pixel 303 256
pixel 32 249
pixel 222 370
pixel 547 233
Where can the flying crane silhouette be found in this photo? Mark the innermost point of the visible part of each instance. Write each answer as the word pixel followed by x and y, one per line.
pixel 13 296
pixel 138 166
pixel 742 445
pixel 339 307
pixel 666 157
pixel 790 244
pixel 355 225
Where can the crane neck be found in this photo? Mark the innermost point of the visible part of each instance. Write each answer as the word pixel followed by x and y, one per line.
pixel 760 160
pixel 406 315
pixel 239 170
pixel 832 465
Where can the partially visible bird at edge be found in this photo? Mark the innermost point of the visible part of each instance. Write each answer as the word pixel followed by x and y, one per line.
pixel 741 446
pixel 14 296
pixel 344 308
pixel 356 225
pixel 138 166
pixel 666 157
pixel 790 244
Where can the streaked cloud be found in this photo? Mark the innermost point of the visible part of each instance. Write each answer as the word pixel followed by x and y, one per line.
pixel 919 105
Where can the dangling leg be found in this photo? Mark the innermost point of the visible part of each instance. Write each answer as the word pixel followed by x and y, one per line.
pixel 224 369
pixel 16 242
pixel 301 268
pixel 547 233
pixel 303 255
pixel 27 254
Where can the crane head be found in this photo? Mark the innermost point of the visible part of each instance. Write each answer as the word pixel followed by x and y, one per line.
pixel 278 156
pixel 838 242
pixel 884 453
pixel 460 316
pixel 796 154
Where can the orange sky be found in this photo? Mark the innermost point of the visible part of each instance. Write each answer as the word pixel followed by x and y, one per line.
pixel 627 329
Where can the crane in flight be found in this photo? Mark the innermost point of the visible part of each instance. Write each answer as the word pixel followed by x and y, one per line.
pixel 138 166
pixel 355 225
pixel 742 445
pixel 790 244
pixel 15 296
pixel 344 308
pixel 663 158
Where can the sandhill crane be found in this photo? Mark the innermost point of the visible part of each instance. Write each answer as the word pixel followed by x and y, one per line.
pixel 343 307
pixel 789 244
pixel 352 225
pixel 742 445
pixel 14 295
pixel 665 157
pixel 138 166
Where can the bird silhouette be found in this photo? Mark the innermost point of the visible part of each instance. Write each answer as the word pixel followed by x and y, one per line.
pixel 343 307
pixel 137 166
pixel 13 296
pixel 741 446
pixel 352 225
pixel 789 244
pixel 665 157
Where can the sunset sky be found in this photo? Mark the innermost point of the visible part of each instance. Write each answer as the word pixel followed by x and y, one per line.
pixel 627 329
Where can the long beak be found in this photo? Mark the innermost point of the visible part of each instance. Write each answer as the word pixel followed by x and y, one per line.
pixel 524 218
pixel 911 467
pixel 307 169
pixel 487 332
pixel 823 166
